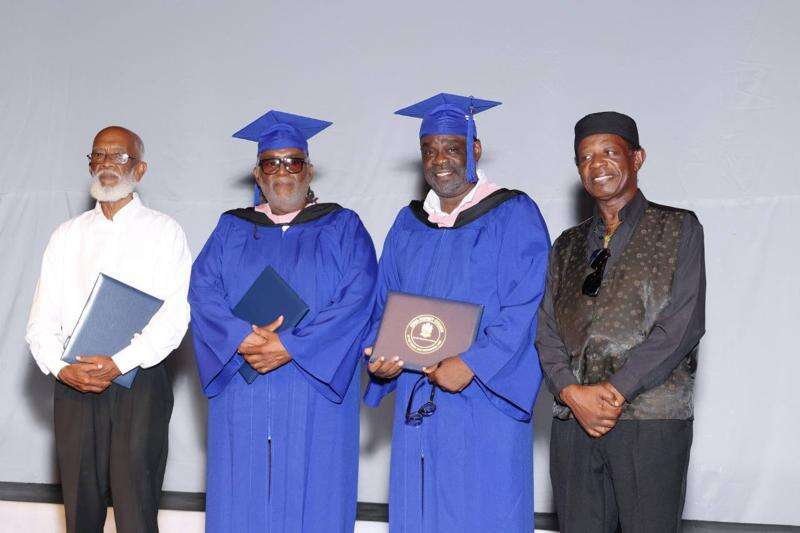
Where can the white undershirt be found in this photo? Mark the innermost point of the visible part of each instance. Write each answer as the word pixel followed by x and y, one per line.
pixel 141 247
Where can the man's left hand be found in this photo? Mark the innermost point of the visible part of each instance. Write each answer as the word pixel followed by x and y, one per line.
pixel 619 399
pixel 268 355
pixel 106 368
pixel 451 374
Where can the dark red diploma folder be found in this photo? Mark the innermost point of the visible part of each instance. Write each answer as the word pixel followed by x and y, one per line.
pixel 422 330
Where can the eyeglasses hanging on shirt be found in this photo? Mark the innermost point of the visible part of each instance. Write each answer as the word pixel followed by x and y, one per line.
pixel 598 260
pixel 592 283
pixel 427 409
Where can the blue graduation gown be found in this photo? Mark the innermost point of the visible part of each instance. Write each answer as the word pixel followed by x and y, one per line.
pixel 283 451
pixel 468 467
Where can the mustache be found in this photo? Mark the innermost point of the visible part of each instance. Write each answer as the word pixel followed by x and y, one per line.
pixel 447 168
pixel 111 171
pixel 284 180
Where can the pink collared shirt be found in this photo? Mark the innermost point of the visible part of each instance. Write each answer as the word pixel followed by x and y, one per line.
pixel 277 219
pixel 433 205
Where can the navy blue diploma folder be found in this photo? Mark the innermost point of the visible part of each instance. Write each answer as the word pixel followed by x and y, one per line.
pixel 268 298
pixel 113 314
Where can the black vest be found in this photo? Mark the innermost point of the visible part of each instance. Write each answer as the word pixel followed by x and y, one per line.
pixel 598 332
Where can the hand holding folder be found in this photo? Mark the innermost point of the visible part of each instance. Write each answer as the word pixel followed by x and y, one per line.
pixel 421 330
pixel 89 374
pixel 263 349
pixel 113 314
pixel 268 298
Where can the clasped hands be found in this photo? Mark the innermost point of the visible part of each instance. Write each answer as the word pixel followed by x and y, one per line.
pixel 450 374
pixel 263 349
pixel 596 407
pixel 92 373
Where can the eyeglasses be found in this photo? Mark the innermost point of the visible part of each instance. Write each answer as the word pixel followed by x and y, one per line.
pixel 271 165
pixel 591 285
pixel 427 409
pixel 118 158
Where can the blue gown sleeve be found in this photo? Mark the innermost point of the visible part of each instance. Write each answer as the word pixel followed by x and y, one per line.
pixel 503 357
pixel 388 279
pixel 327 349
pixel 216 332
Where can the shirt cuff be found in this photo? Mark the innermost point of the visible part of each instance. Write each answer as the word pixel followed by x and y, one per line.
pixel 56 366
pixel 626 386
pixel 127 359
pixel 561 380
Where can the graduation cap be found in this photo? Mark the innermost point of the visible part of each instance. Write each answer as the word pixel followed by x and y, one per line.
pixel 275 130
pixel 450 114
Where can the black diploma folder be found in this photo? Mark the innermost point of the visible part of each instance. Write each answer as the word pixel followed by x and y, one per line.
pixel 268 298
pixel 113 314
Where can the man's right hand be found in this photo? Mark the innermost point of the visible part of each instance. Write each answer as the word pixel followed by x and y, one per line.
pixel 79 377
pixel 595 407
pixel 382 368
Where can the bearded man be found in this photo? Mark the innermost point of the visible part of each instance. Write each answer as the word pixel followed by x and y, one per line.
pixel 110 440
pixel 283 447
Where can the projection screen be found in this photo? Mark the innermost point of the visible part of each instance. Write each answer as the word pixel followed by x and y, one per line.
pixel 713 86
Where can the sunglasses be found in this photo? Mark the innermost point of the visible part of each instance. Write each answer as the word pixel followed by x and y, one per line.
pixel 427 409
pixel 271 165
pixel 592 283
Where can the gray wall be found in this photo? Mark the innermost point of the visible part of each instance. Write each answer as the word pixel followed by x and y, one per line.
pixel 713 86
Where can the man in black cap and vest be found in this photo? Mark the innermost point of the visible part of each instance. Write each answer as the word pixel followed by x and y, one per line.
pixel 619 324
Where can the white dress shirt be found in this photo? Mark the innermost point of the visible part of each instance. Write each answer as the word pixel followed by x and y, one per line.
pixel 141 247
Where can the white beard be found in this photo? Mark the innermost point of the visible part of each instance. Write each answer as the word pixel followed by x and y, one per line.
pixel 126 184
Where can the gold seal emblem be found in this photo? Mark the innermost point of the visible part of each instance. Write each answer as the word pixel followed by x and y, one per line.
pixel 425 334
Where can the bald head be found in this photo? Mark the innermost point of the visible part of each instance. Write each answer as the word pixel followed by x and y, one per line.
pixel 122 137
pixel 116 164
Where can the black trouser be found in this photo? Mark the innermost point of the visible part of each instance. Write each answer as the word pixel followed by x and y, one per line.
pixel 632 479
pixel 113 444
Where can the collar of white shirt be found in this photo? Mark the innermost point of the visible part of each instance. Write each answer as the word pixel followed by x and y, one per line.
pixel 127 211
pixel 433 206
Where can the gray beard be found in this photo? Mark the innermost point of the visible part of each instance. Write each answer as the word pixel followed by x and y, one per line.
pixel 286 202
pixel 125 186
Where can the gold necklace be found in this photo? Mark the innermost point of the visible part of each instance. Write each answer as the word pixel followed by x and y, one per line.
pixel 610 231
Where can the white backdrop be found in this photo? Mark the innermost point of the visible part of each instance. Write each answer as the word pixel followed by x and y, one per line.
pixel 713 86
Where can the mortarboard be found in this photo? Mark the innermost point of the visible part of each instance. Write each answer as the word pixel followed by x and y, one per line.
pixel 450 114
pixel 275 130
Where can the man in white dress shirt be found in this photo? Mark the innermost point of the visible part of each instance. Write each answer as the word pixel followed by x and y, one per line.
pixel 111 442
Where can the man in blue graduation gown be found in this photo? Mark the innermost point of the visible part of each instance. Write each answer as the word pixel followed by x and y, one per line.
pixel 467 467
pixel 283 450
